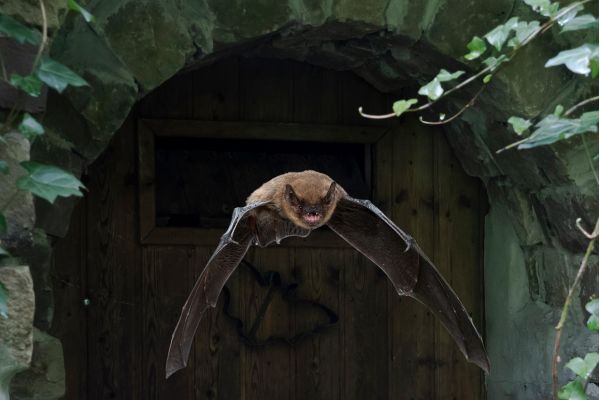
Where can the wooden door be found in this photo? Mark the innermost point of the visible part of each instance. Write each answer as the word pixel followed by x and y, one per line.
pixel 382 347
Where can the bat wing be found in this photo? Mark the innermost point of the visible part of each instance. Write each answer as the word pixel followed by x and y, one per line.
pixel 244 231
pixel 368 230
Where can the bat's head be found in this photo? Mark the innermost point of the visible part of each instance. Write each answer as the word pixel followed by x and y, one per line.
pixel 310 205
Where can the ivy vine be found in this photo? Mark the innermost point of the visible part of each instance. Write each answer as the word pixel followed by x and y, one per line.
pixel 42 180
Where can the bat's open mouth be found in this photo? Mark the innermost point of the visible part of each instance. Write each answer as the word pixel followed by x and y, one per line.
pixel 312 218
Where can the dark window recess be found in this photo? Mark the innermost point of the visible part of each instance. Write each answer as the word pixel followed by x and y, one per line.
pixel 199 182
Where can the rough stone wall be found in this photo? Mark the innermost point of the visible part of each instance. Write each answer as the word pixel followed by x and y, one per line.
pixel 533 246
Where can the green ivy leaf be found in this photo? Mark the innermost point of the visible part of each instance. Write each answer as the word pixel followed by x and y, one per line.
pixel 433 90
pixel 2 223
pixel 524 30
pixel 594 67
pixel 477 47
pixel 49 182
pixel 10 27
pixel 586 21
pixel 57 75
pixel 72 4
pixel 572 391
pixel 592 308
pixel 3 293
pixel 569 15
pixel 401 106
pixel 30 128
pixel 583 367
pixel 30 84
pixel 577 60
pixel 552 129
pixel 445 76
pixel 3 167
pixel 487 78
pixel 543 7
pixel 519 125
pixel 494 62
pixel 498 36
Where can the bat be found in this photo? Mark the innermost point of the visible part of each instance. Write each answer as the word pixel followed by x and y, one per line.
pixel 296 203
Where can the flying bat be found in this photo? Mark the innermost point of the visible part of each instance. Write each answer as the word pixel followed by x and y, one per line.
pixel 296 203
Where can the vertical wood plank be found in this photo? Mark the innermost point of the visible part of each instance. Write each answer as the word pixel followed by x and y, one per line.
pixel 113 279
pixel 216 92
pixel 365 325
pixel 69 285
pixel 383 197
pixel 413 357
pixel 266 94
pixel 458 255
pixel 365 346
pixel 316 94
pixel 317 358
pixel 217 365
pixel 266 90
pixel 167 278
pixel 267 371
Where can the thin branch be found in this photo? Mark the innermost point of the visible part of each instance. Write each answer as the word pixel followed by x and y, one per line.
pixel 490 68
pixel 588 235
pixel 510 146
pixel 372 116
pixel 564 314
pixel 581 104
pixel 432 102
pixel 42 46
pixel 460 112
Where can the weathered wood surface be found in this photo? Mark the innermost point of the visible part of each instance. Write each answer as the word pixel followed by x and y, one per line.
pixel 383 347
pixel 114 335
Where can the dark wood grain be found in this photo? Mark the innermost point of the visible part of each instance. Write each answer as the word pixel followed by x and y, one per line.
pixel 289 131
pixel 365 344
pixel 413 356
pixel 318 358
pixel 217 365
pixel 167 277
pixel 457 254
pixel 113 273
pixel 69 288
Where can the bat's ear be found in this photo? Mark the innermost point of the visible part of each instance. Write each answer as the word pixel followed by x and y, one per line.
pixel 330 196
pixel 290 195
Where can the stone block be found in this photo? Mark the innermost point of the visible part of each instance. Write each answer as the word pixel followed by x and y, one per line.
pixel 16 331
pixel 45 379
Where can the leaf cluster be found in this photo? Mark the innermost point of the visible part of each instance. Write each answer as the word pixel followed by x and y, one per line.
pixel 582 367
pixel 45 181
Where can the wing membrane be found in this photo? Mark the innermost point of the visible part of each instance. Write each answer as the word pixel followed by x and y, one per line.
pixel 244 230
pixel 411 272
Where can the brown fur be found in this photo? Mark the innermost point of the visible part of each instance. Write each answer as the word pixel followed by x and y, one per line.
pixel 310 187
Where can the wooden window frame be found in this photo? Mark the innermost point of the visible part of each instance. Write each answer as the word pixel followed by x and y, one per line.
pixel 149 129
